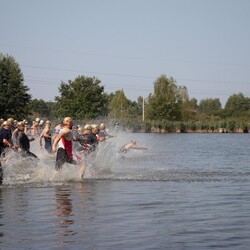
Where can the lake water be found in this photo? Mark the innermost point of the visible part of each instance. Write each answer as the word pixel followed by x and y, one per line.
pixel 187 191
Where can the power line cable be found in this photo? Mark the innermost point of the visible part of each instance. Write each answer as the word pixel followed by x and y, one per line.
pixel 133 76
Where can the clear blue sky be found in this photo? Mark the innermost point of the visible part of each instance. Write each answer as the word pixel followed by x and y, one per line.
pixel 203 44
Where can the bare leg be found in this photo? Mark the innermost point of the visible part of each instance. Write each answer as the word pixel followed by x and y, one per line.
pixel 82 164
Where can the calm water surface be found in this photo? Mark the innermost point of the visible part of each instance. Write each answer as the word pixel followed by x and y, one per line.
pixel 187 191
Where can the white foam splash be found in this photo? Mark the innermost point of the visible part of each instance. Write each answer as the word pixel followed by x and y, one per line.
pixel 103 163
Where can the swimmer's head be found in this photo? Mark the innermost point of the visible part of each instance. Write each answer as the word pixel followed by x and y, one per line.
pixel 80 130
pixel 102 126
pixel 95 128
pixel 20 125
pixel 87 127
pixel 68 121
pixel 11 121
pixel 48 123
pixel 6 124
pixel 133 141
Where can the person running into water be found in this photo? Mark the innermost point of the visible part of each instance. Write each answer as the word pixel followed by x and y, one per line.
pixel 47 135
pixel 87 140
pixel 5 142
pixel 64 152
pixel 130 145
pixel 23 141
pixel 11 121
pixel 35 128
pixel 102 134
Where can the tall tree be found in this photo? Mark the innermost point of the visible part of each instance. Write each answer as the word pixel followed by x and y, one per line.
pixel 119 105
pixel 82 98
pixel 193 103
pixel 140 105
pixel 40 107
pixel 164 104
pixel 14 97
pixel 237 104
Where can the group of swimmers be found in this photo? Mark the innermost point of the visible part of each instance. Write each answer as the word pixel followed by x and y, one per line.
pixel 18 135
pixel 63 140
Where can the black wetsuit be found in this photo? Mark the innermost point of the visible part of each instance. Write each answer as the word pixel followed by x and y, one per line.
pixel 48 144
pixel 88 140
pixel 23 142
pixel 47 140
pixel 4 134
pixel 103 134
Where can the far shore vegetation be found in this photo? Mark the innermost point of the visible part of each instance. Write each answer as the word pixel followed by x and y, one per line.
pixel 167 110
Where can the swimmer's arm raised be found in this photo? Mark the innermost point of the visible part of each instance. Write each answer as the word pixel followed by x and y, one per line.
pixel 40 139
pixel 56 140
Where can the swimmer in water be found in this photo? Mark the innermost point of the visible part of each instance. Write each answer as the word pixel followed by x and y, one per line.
pixel 131 145
pixel 64 152
pixel 5 142
pixel 23 142
pixel 47 136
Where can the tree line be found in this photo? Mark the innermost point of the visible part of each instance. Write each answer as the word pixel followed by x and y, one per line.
pixel 168 108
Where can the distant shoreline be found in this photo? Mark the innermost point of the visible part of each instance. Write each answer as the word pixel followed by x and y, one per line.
pixel 200 131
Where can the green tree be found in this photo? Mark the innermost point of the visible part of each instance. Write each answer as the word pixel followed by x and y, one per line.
pixel 134 109
pixel 236 105
pixel 188 108
pixel 182 94
pixel 164 104
pixel 40 107
pixel 119 105
pixel 140 103
pixel 82 98
pixel 210 106
pixel 193 103
pixel 51 107
pixel 14 97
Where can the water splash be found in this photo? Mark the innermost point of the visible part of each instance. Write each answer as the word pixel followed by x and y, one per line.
pixel 106 163
pixel 20 170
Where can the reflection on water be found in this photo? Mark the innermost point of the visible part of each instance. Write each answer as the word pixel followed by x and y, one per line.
pixel 1 215
pixel 185 192
pixel 64 211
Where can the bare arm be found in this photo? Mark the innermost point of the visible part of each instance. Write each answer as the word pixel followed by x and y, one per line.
pixel 14 134
pixel 58 138
pixel 40 139
pixel 7 143
pixel 46 133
